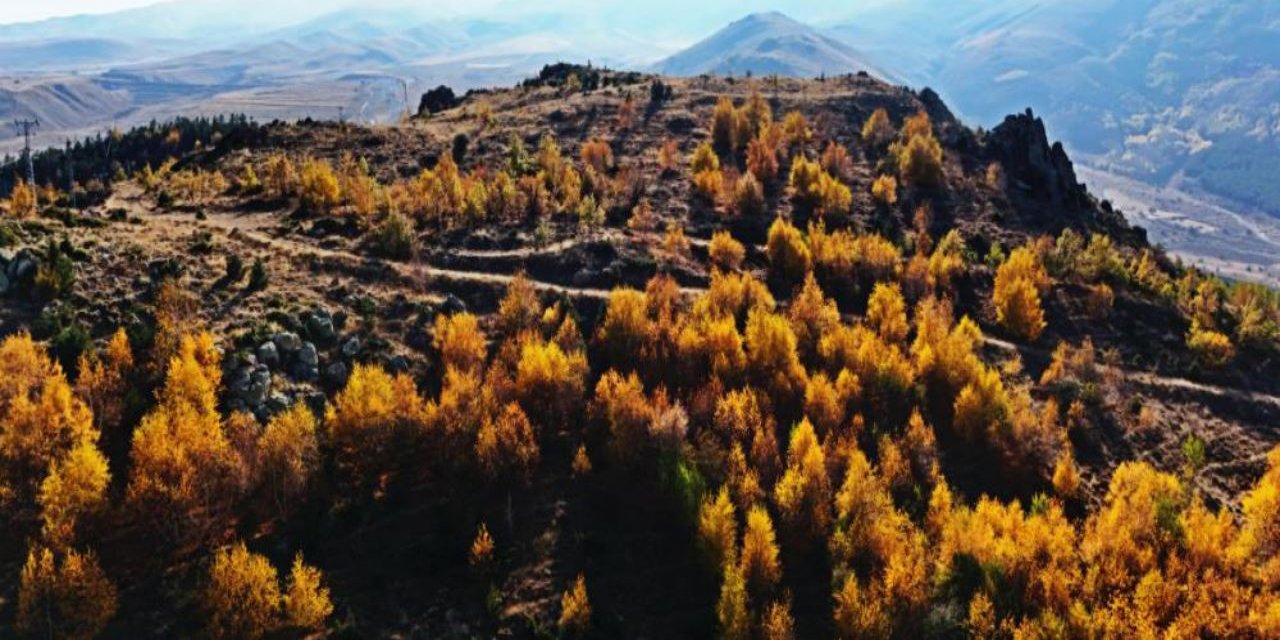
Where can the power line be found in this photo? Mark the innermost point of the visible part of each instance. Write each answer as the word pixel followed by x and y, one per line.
pixel 25 127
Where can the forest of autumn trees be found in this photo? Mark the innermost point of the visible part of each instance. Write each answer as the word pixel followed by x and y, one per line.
pixel 798 415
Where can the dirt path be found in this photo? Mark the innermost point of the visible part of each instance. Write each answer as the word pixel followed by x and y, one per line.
pixel 258 229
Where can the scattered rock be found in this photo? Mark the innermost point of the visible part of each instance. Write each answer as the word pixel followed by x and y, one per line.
pixel 397 364
pixel 453 304
pixel 268 354
pixel 278 402
pixel 287 343
pixel 319 325
pixel 308 355
pixel 351 347
pixel 336 373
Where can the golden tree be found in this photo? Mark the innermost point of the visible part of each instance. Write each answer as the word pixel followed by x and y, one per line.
pixel 242 595
pixel 460 341
pixel 76 486
pixel 306 601
pixel 184 468
pixel 887 313
pixel 288 454
pixel 668 156
pixel 724 122
pixel 1211 348
pixel 104 380
pixel 506 447
pixel 718 530
pixel 726 253
pixel 772 359
pixel 748 196
pixel 482 548
pixel 776 622
pixel 318 186
pixel 920 154
pixel 598 155
pixel 71 598
pixel 858 613
pixel 520 309
pixel 795 129
pixel 575 610
pixel 761 566
pixel 884 189
pixel 367 419
pixel 627 332
pixel 731 610
pixel 1019 282
pixel 22 201
pixel 789 256
pixel 877 131
pixel 762 160
pixel 549 382
pixel 621 402
pixel 41 423
pixel 803 494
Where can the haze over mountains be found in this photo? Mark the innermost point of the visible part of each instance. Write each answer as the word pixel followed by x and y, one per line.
pixel 1180 96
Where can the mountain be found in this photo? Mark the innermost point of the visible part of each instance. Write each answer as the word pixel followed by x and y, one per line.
pixel 1172 92
pixel 766 44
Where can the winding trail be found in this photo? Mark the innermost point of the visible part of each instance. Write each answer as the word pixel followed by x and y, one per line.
pixel 256 229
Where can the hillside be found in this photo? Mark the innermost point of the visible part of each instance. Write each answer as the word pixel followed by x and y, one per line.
pixel 616 355
pixel 767 44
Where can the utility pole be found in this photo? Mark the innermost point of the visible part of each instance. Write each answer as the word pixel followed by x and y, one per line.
pixel 71 175
pixel 26 126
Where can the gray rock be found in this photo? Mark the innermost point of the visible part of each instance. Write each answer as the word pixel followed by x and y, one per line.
pixel 320 326
pixel 259 387
pixel 336 373
pixel 397 364
pixel 268 354
pixel 287 342
pixel 453 304
pixel 239 380
pixel 351 347
pixel 22 267
pixel 4 284
pixel 278 402
pixel 308 355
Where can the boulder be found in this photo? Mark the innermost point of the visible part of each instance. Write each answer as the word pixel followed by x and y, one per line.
pixel 268 354
pixel 308 355
pixel 319 325
pixel 351 347
pixel 336 373
pixel 22 267
pixel 453 304
pixel 278 402
pixel 287 342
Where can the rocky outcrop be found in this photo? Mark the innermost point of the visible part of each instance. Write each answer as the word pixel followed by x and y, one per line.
pixel 1032 164
pixel 17 270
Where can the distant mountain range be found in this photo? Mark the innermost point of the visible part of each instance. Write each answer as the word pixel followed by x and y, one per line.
pixel 1174 92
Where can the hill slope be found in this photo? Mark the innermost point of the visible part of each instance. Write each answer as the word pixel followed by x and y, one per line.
pixel 481 354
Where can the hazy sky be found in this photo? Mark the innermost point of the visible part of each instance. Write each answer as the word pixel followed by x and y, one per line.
pixel 15 11
pixel 27 11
